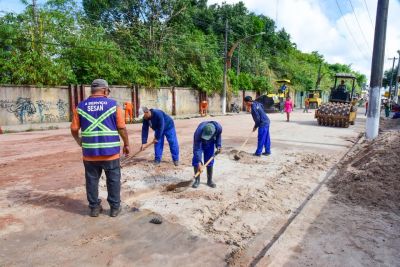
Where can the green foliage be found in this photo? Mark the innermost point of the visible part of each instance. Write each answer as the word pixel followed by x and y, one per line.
pixel 154 43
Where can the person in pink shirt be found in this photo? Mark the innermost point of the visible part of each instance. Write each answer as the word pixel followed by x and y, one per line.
pixel 288 107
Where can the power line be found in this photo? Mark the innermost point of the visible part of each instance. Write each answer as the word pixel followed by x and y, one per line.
pixel 348 29
pixel 369 14
pixel 359 26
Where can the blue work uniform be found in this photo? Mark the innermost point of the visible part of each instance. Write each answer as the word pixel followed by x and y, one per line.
pixel 163 125
pixel 262 122
pixel 201 146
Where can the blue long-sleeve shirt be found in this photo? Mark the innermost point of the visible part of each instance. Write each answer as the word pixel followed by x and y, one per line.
pixel 259 116
pixel 197 141
pixel 159 122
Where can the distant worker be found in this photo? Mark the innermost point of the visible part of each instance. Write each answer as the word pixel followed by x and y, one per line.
pixel 207 137
pixel 387 108
pixel 163 126
pixel 128 106
pixel 101 123
pixel 203 108
pixel 281 104
pixel 341 87
pixel 366 108
pixel 306 105
pixel 283 88
pixel 288 108
pixel 261 122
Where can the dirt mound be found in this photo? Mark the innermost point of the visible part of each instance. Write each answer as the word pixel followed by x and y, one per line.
pixel 370 177
pixel 244 157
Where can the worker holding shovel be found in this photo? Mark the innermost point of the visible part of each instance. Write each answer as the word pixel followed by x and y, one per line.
pixel 261 121
pixel 207 137
pixel 163 127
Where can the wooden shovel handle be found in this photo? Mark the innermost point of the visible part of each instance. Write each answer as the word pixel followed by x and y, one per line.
pixel 245 142
pixel 205 165
pixel 134 155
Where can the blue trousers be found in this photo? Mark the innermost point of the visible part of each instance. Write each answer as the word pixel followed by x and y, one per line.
pixel 208 152
pixel 264 140
pixel 170 134
pixel 93 170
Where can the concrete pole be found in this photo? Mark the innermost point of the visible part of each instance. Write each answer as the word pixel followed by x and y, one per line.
pixel 238 61
pixel 378 55
pixel 391 78
pixel 396 90
pixel 225 69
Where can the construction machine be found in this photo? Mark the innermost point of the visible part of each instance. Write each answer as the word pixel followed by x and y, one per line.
pixel 314 98
pixel 273 102
pixel 341 110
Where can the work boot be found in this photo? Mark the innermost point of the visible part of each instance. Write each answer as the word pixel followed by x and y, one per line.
pixel 94 212
pixel 209 177
pixel 156 162
pixel 257 155
pixel 176 163
pixel 197 179
pixel 115 211
pixel 266 153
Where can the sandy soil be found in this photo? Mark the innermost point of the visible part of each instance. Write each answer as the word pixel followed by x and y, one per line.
pixel 355 219
pixel 43 207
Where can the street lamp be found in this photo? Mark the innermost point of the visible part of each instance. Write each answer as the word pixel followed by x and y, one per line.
pixel 228 63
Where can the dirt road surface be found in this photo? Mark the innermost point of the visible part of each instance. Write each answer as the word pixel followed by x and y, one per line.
pixel 43 209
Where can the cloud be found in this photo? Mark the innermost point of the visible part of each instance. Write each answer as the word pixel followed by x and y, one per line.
pixel 320 26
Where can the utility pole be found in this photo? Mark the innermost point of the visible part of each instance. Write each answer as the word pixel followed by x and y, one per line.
pixel 396 89
pixel 391 78
pixel 238 61
pixel 225 68
pixel 378 55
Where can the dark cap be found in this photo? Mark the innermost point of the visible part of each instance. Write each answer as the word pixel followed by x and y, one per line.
pixel 208 131
pixel 248 99
pixel 99 83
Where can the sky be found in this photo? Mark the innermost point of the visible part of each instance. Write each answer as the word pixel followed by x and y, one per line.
pixel 332 28
pixel 327 26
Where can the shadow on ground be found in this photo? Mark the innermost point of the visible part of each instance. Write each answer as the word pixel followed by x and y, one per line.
pixel 47 200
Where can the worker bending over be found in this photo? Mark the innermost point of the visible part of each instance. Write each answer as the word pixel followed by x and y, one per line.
pixel 261 122
pixel 163 126
pixel 101 123
pixel 206 137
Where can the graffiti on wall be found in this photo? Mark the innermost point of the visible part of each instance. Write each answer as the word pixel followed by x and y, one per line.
pixel 42 107
pixel 26 110
pixel 62 109
pixel 22 108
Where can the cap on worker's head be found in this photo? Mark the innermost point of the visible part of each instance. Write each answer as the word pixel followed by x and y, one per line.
pixel 142 110
pixel 208 131
pixel 248 99
pixel 98 84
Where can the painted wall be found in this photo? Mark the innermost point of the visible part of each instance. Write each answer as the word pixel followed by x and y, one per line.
pixel 187 101
pixel 156 98
pixel 28 104
pixel 235 99
pixel 214 104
